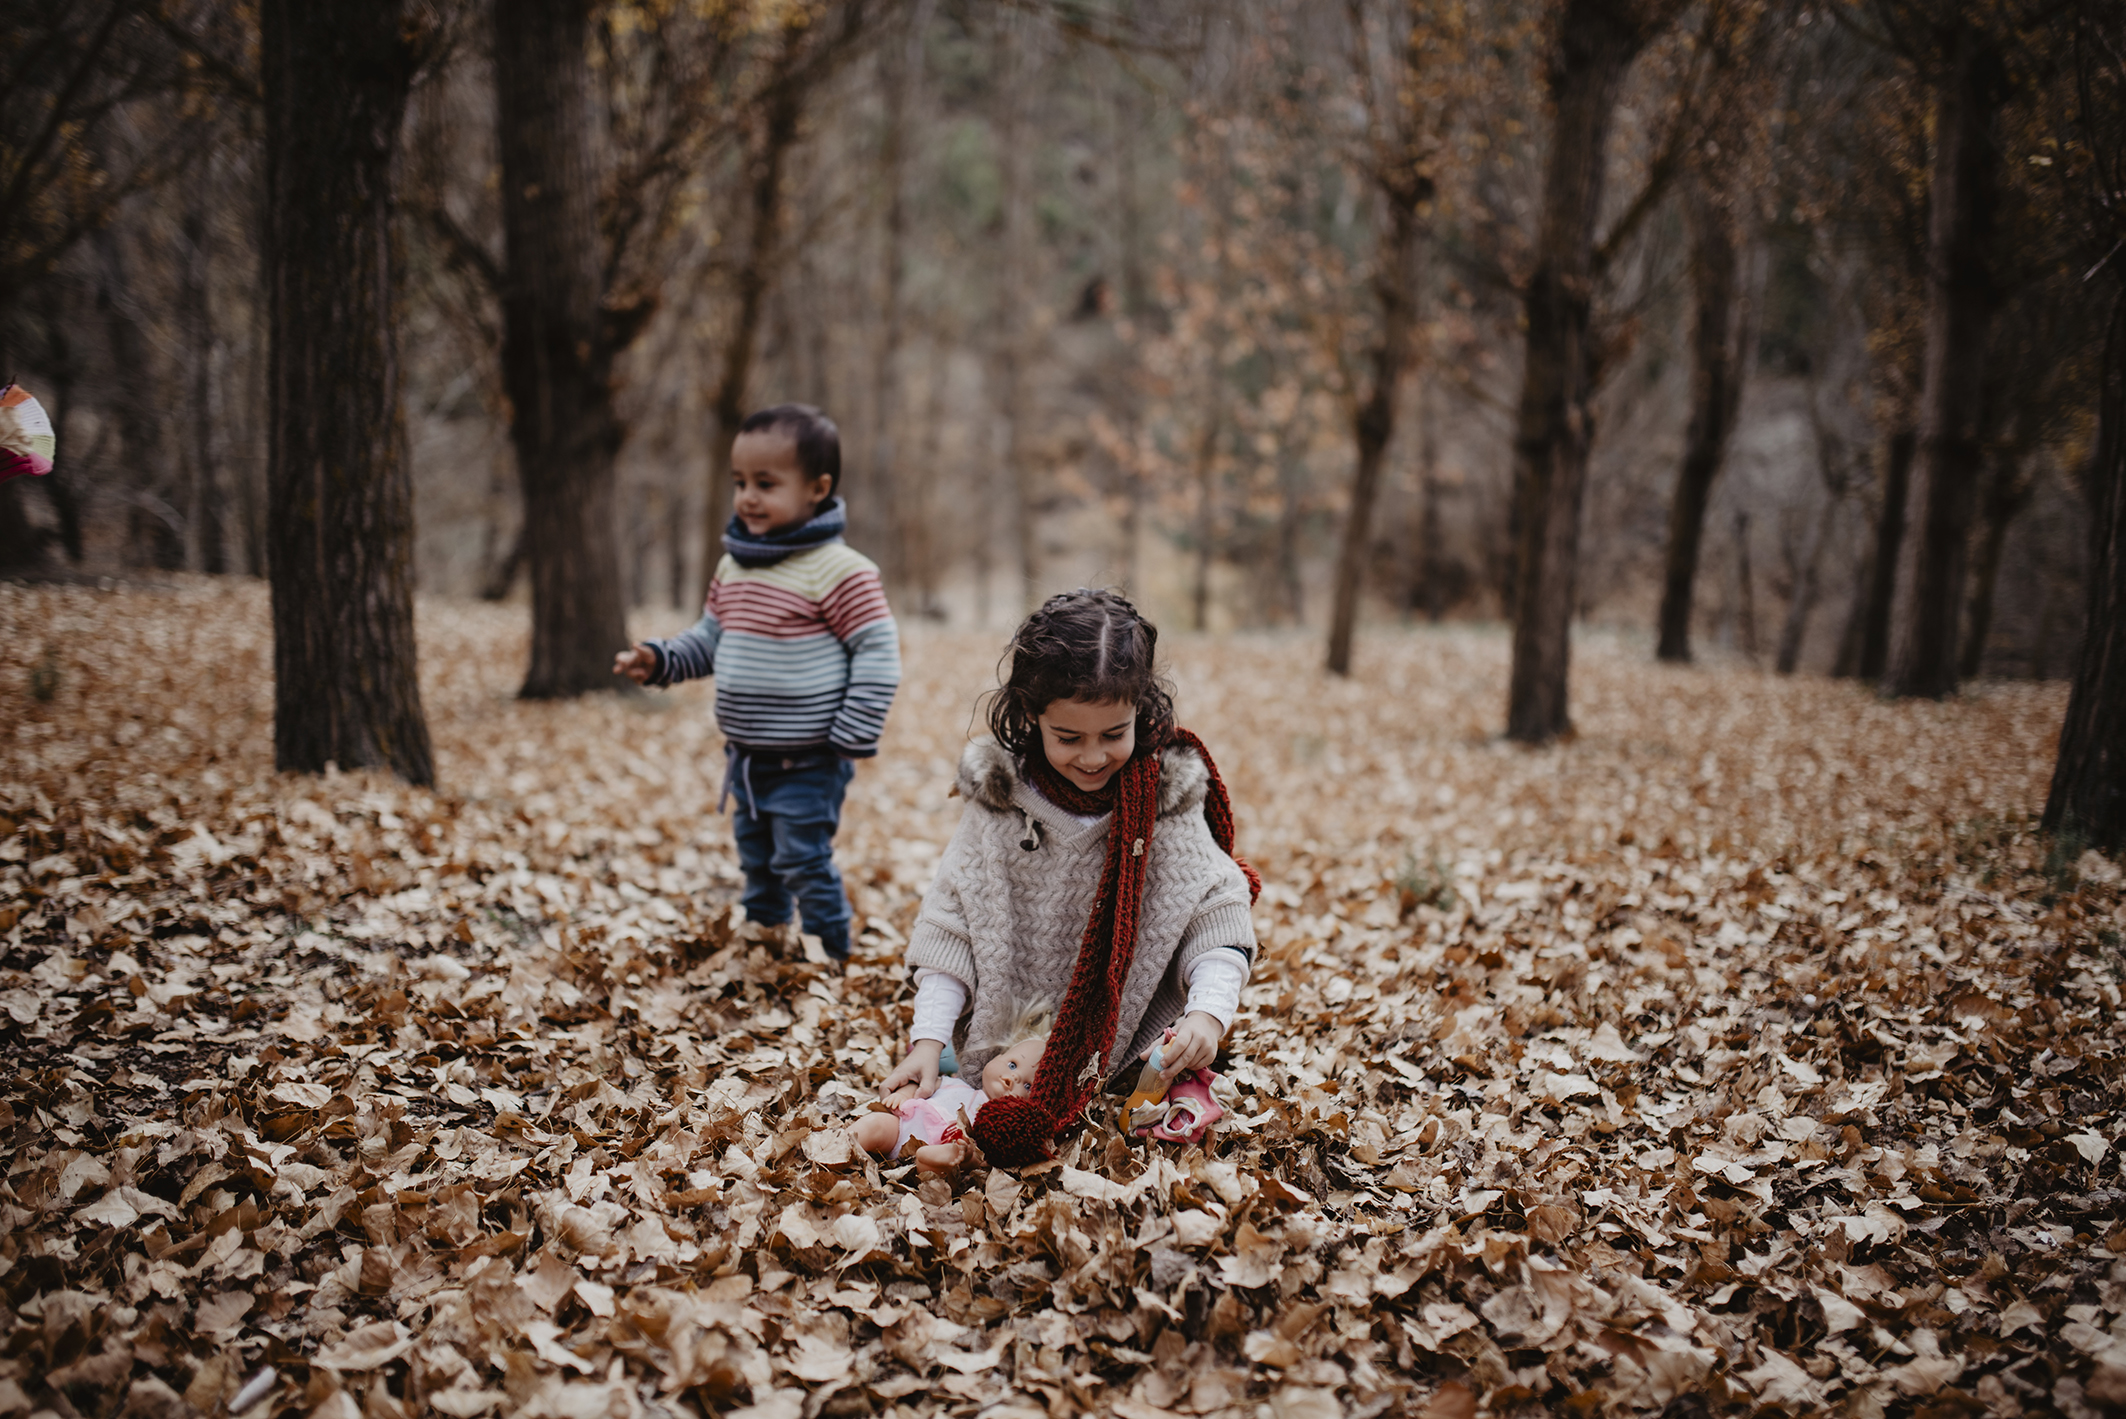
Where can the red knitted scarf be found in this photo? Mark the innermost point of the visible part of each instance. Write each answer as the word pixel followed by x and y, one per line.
pixel 1015 1132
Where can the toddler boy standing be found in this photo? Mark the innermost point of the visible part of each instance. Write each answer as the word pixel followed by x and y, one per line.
pixel 806 658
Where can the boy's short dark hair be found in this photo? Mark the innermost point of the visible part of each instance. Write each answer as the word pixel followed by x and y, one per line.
pixel 819 442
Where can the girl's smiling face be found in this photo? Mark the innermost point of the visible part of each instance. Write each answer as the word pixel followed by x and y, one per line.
pixel 1087 741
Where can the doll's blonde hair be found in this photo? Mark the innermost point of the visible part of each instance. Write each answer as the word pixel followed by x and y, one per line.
pixel 1030 1019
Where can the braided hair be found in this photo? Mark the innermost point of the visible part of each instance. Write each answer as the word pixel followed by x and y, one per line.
pixel 1084 645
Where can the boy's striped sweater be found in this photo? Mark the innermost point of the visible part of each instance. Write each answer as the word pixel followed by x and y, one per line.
pixel 805 652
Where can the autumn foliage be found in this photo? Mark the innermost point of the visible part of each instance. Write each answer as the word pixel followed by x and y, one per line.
pixel 1748 1046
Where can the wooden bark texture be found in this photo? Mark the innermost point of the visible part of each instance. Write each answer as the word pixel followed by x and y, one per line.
pixel 2088 797
pixel 340 500
pixel 1021 487
pixel 1597 41
pixel 768 147
pixel 1961 300
pixel 1715 390
pixel 2008 492
pixel 557 351
pixel 1868 637
pixel 1373 422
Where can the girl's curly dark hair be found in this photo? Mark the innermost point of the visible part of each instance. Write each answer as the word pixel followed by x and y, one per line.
pixel 1081 645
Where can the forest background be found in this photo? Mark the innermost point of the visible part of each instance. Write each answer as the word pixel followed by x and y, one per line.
pixel 1129 295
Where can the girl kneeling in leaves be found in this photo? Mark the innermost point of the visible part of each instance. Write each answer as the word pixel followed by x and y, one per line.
pixel 1094 867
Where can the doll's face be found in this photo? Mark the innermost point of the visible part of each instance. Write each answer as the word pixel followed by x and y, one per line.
pixel 1010 1074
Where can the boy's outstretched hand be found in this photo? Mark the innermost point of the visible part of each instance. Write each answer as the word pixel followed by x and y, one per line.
pixel 638 663
pixel 920 1069
pixel 1192 1044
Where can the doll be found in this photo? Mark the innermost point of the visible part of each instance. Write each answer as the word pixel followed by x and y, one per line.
pixel 939 1121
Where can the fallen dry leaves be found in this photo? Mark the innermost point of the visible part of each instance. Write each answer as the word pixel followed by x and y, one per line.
pixel 1750 1047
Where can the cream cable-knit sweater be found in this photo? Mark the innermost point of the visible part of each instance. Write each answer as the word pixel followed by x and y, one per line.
pixel 1008 919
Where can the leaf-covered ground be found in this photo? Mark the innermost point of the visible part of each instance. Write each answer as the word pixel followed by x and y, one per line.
pixel 1749 1052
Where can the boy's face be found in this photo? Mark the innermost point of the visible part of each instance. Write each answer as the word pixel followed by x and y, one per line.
pixel 769 492
pixel 1087 742
pixel 1010 1074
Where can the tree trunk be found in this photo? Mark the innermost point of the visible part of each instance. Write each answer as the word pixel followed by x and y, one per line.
pixel 1871 633
pixel 1211 403
pixel 1291 492
pixel 642 521
pixel 1808 580
pixel 902 68
pixel 1134 303
pixel 1746 589
pixel 2007 493
pixel 2088 799
pixel 252 492
pixel 768 150
pixel 59 484
pixel 1432 584
pixel 502 572
pixel 340 500
pixel 885 367
pixel 1807 584
pixel 155 532
pixel 675 540
pixel 1961 299
pixel 1402 182
pixel 1845 661
pixel 24 542
pixel 1554 428
pixel 923 558
pixel 1715 385
pixel 1978 619
pixel 205 548
pixel 1206 481
pixel 1129 198
pixel 1373 420
pixel 806 303
pixel 1015 302
pixel 557 350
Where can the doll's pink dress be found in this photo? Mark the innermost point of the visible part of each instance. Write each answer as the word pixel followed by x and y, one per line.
pixel 937 1118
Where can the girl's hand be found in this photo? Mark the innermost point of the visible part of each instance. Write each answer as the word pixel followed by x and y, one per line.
pixel 920 1068
pixel 1192 1044
pixel 638 663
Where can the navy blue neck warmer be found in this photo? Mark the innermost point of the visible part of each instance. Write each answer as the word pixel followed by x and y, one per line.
pixel 824 526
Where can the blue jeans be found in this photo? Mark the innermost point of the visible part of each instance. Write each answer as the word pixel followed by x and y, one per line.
pixel 787 811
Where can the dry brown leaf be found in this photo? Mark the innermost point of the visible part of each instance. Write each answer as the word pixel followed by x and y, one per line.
pixel 1644 1054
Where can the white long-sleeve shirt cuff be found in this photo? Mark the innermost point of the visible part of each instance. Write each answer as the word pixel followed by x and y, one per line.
pixel 1214 986
pixel 1214 982
pixel 939 999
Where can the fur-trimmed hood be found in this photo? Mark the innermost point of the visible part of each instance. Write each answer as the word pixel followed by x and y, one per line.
pixel 989 776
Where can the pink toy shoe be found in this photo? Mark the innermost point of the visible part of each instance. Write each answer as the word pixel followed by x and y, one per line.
pixel 1190 1109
